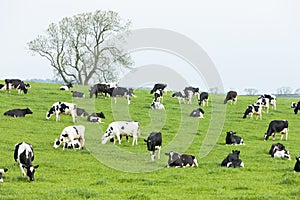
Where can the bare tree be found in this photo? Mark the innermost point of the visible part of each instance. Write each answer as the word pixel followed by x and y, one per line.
pixel 83 48
pixel 251 91
pixel 284 90
pixel 214 90
pixel 297 91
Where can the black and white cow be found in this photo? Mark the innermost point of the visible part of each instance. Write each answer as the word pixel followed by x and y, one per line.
pixel 232 138
pixel 158 86
pixel 158 95
pixel 98 88
pixel 189 92
pixel 24 156
pixel 18 112
pixel 62 108
pixel 231 96
pixel 66 87
pixel 81 112
pixel 233 160
pixel 2 87
pixel 154 142
pixel 2 171
pixel 276 147
pixel 277 126
pixel 96 117
pixel 70 136
pixel 281 154
pixel 253 109
pixel 297 165
pixel 180 96
pixel 264 102
pixel 272 99
pixel 181 160
pixel 120 92
pixel 122 128
pixel 157 105
pixel 203 98
pixel 297 108
pixel 294 104
pixel 197 112
pixel 78 94
pixel 17 84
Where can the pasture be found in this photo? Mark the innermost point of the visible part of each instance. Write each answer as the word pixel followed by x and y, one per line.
pixel 103 172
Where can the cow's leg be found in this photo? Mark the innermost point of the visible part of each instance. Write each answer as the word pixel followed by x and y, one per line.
pixel 134 140
pixel 115 98
pixel 128 99
pixel 152 154
pixel 158 152
pixel 118 137
pixel 22 170
pixel 57 116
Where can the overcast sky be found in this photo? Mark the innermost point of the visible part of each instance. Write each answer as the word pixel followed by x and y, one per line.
pixel 253 44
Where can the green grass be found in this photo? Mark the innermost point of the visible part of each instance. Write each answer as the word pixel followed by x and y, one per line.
pixel 126 172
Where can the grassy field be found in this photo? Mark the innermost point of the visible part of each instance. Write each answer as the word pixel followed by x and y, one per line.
pixel 126 172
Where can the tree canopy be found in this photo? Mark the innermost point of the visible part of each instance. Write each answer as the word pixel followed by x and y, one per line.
pixel 83 48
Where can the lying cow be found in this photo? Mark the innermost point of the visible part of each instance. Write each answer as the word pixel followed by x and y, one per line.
pixel 157 105
pixel 232 160
pixel 203 98
pixel 297 165
pixel 154 142
pixel 96 117
pixel 277 126
pixel 81 112
pixel 78 94
pixel 231 138
pixel 18 112
pixel 2 171
pixel 66 87
pixel 297 108
pixel 198 112
pixel 253 109
pixel 24 156
pixel 276 147
pixel 231 96
pixel 181 160
pixel 278 151
pixel 122 128
pixel 71 135
pixel 62 108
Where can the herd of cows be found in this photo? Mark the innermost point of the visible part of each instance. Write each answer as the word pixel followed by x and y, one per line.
pixel 72 137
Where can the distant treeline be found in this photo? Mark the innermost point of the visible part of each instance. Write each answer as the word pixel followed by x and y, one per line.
pixel 45 80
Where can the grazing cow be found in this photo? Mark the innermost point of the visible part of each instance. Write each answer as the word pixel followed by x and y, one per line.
pixel 120 92
pixel 158 95
pixel 198 112
pixel 24 155
pixel 281 154
pixel 180 96
pixel 62 108
pixel 81 112
pixel 158 86
pixel 18 112
pixel 122 128
pixel 70 136
pixel 203 98
pixel 66 87
pixel 231 96
pixel 2 171
pixel 294 104
pixel 297 165
pixel 232 160
pixel 96 117
pixel 154 142
pixel 181 160
pixel 253 109
pixel 276 147
pixel 189 92
pixel 98 88
pixel 272 99
pixel 297 108
pixel 231 138
pixel 78 94
pixel 157 105
pixel 277 126
pixel 264 102
pixel 17 84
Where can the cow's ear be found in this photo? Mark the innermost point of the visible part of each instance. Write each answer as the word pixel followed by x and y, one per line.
pixel 37 166
pixel 233 132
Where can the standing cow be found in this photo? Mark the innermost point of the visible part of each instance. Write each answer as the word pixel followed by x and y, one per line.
pixel 203 98
pixel 277 126
pixel 297 165
pixel 118 129
pixel 154 142
pixel 297 107
pixel 253 109
pixel 231 96
pixel 24 156
pixel 62 108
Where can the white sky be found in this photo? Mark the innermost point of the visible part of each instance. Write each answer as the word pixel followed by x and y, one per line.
pixel 254 44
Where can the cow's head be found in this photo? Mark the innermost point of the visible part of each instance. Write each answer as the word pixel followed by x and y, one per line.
pixel 50 112
pixel 248 111
pixel 109 134
pixel 266 137
pixel 57 142
pixel 30 171
pixel 2 171
pixel 28 111
pixel 101 115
